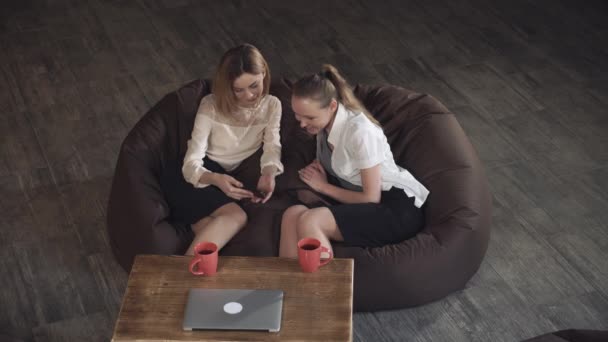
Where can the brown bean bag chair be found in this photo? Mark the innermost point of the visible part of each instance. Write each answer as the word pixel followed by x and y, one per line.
pixel 425 138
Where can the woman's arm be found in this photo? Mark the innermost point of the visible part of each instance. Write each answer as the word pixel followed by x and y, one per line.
pixel 193 170
pixel 372 188
pixel 270 161
pixel 314 175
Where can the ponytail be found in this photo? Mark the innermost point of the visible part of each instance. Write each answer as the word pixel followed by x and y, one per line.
pixel 328 85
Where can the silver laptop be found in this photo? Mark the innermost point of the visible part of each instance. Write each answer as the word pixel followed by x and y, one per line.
pixel 228 309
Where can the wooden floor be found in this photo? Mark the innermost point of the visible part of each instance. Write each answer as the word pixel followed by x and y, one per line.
pixel 528 80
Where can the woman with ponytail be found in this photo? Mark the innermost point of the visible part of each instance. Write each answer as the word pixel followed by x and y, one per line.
pixel 377 201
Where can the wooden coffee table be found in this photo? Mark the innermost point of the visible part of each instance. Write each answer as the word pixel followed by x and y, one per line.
pixel 316 306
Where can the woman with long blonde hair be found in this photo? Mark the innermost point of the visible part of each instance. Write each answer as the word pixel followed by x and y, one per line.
pixel 233 122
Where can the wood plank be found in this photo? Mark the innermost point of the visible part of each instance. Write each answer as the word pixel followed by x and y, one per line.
pixel 586 254
pixel 366 325
pixel 77 329
pixel 19 150
pixel 85 205
pixel 47 267
pixel 417 74
pixel 11 99
pixel 528 264
pixel 560 151
pixel 18 314
pixel 111 280
pixel 588 311
pixel 427 323
pixel 487 90
pixel 493 149
pixel 514 187
pixel 33 212
pixel 492 311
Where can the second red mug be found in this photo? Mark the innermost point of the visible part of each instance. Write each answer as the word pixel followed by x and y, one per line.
pixel 309 254
pixel 204 261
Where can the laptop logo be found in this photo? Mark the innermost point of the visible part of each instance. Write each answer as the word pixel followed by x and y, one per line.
pixel 233 308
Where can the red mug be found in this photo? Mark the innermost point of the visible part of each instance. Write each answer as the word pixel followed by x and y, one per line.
pixel 309 254
pixel 205 257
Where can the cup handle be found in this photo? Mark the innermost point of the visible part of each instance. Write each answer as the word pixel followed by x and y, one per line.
pixel 331 256
pixel 193 263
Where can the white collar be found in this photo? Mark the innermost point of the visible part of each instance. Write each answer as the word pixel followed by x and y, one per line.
pixel 338 126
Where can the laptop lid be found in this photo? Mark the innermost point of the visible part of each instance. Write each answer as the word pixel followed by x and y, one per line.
pixel 231 309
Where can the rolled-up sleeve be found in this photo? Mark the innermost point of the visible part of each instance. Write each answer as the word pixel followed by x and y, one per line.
pixel 193 167
pixel 365 147
pixel 272 140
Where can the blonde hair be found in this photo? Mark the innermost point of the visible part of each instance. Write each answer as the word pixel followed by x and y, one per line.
pixel 237 61
pixel 328 85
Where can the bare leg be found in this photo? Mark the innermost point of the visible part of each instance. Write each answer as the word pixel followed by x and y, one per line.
pixel 219 227
pixel 289 236
pixel 201 224
pixel 319 223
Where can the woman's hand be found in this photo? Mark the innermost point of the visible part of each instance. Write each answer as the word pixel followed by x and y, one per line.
pixel 265 187
pixel 231 187
pixel 314 175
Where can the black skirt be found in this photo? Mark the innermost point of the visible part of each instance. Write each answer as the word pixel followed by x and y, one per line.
pixel 188 204
pixel 393 220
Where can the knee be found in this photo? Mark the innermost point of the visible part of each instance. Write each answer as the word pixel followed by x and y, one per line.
pixel 306 223
pixel 290 216
pixel 294 210
pixel 240 217
pixel 237 215
pixel 197 228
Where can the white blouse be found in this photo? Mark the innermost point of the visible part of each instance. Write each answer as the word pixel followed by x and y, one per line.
pixel 230 139
pixel 360 144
